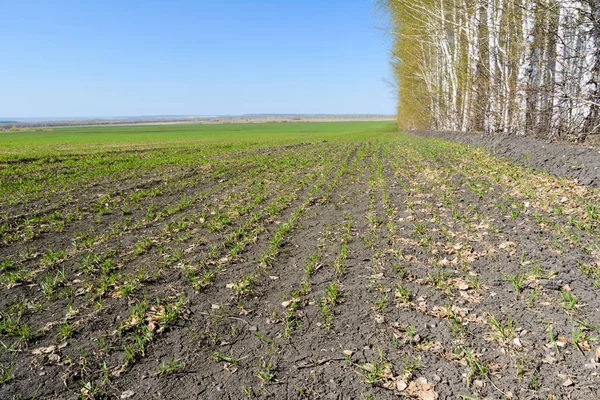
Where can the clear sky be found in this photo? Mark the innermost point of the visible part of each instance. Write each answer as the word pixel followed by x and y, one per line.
pixel 183 57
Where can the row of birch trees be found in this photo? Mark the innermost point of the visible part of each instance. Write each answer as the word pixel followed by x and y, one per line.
pixel 529 67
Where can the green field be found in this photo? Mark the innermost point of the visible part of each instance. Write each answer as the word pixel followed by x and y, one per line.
pixel 232 136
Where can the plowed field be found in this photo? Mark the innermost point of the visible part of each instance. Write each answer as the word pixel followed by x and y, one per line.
pixel 332 260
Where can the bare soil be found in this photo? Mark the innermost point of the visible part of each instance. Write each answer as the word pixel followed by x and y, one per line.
pixel 576 161
pixel 420 260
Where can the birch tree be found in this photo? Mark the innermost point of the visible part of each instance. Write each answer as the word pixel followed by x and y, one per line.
pixel 527 67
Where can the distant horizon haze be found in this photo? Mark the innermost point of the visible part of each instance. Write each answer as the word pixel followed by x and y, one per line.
pixel 118 117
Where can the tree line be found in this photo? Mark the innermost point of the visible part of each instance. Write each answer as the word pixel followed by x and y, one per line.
pixel 529 67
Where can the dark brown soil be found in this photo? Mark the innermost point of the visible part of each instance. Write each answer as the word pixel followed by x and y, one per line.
pixel 576 161
pixel 420 258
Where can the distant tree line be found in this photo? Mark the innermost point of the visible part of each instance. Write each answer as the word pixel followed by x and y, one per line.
pixel 25 126
pixel 529 67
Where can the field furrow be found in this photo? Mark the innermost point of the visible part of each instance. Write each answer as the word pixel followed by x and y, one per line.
pixel 298 263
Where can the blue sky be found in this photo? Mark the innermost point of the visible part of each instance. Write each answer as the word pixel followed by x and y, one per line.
pixel 114 58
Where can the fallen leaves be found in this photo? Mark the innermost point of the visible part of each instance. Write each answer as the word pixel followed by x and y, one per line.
pixel 384 375
pixel 49 349
pixel 562 341
pixel 50 353
pixel 585 345
pixel 418 388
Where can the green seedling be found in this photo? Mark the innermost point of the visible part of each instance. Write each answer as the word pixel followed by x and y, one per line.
pixel 53 257
pixel 333 294
pixel 475 366
pixel 265 373
pixel 66 330
pixel 143 246
pixel 375 371
pixel 502 331
pixel 230 359
pixel 533 385
pixel 248 391
pixel 169 367
pixel 269 341
pixel 577 337
pixel 403 294
pixel 381 303
pixel 326 315
pixel 517 282
pixel 6 372
pixel 569 300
